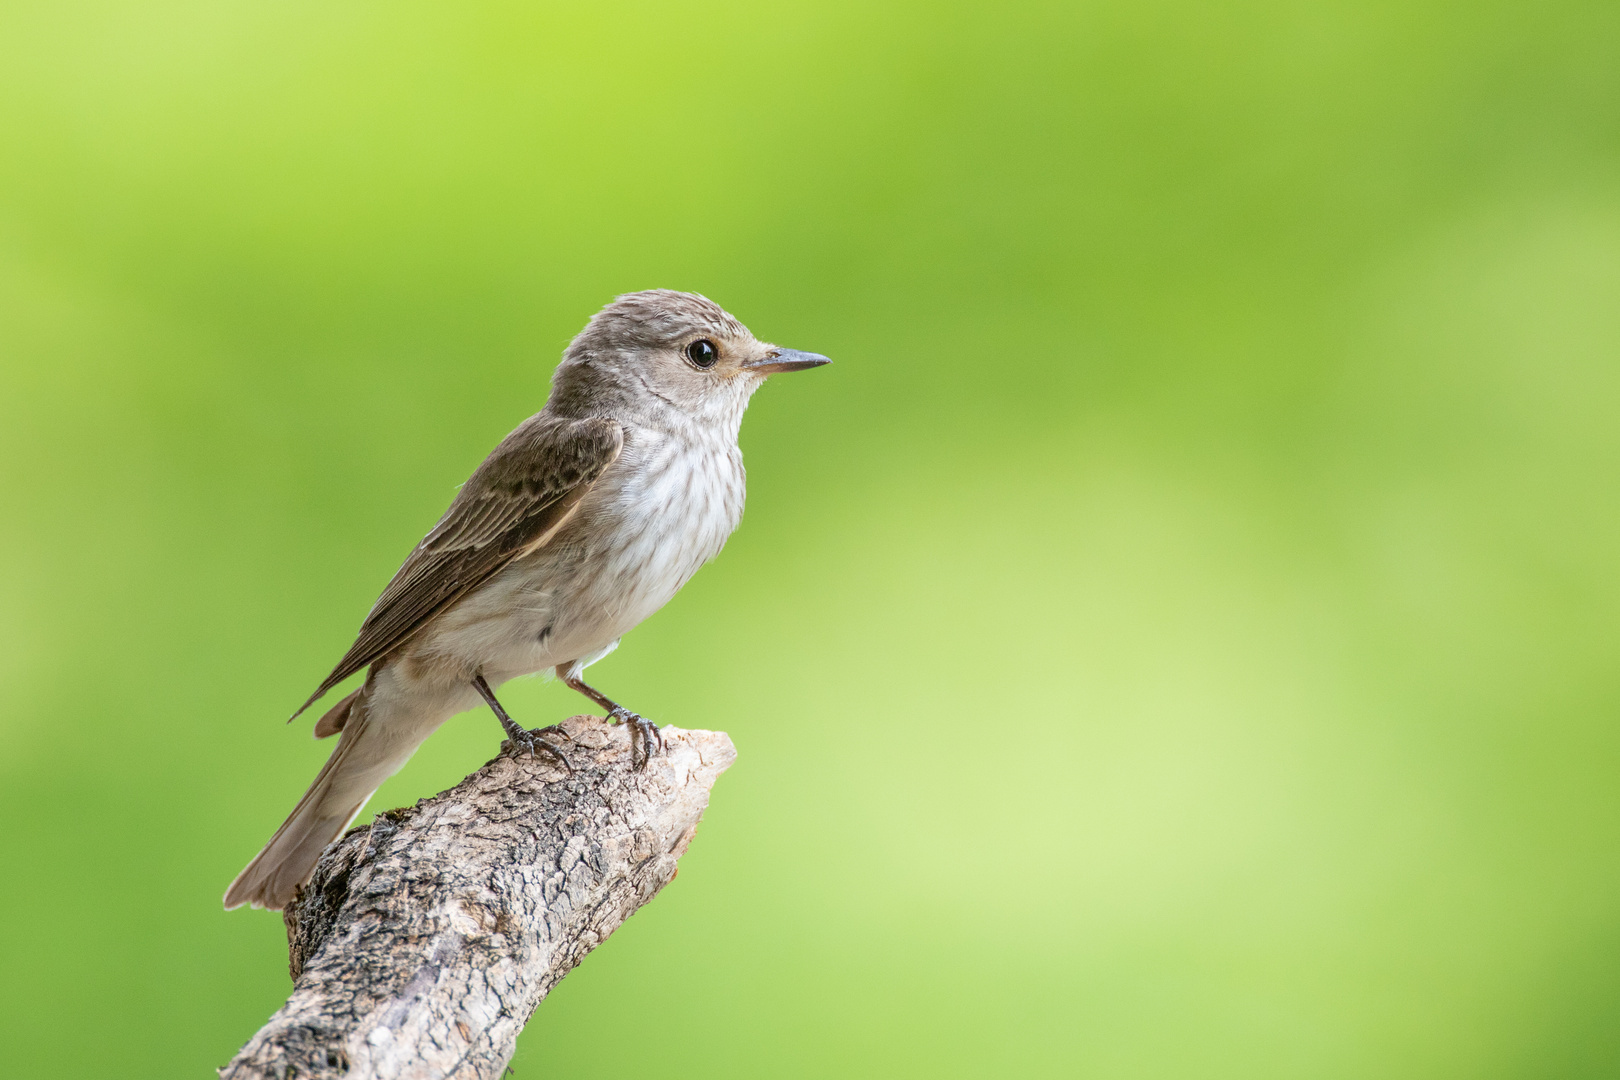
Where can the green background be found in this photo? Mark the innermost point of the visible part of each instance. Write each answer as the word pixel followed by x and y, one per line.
pixel 1179 637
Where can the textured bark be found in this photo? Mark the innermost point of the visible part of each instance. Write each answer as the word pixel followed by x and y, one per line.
pixel 426 939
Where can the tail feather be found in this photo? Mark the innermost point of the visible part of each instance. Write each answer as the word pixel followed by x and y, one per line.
pixel 271 879
pixel 364 757
pixel 336 716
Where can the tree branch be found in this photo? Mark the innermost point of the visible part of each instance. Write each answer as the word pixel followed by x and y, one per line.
pixel 426 939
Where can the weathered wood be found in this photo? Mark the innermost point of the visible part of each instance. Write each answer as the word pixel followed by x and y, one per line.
pixel 426 939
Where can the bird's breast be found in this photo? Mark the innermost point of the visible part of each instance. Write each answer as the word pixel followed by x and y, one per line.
pixel 658 514
pixel 664 510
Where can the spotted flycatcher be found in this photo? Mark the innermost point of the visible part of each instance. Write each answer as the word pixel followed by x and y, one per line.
pixel 584 521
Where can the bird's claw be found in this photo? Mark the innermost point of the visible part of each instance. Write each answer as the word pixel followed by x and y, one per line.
pixel 533 741
pixel 642 727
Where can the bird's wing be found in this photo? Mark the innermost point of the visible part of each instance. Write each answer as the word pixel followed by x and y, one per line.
pixel 516 501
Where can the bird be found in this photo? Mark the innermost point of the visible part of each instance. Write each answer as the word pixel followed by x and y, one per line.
pixel 581 523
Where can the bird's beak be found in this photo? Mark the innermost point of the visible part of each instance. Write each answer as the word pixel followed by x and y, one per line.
pixel 785 360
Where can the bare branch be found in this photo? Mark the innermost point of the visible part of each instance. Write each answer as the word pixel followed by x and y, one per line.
pixel 425 940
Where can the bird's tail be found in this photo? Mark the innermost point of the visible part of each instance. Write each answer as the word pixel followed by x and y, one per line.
pixel 366 755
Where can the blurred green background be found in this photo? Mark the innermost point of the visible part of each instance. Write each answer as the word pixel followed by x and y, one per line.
pixel 1180 637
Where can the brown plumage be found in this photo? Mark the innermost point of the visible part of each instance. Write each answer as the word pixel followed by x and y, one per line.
pixel 581 523
pixel 515 501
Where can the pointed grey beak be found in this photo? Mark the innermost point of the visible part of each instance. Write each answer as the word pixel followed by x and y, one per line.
pixel 786 360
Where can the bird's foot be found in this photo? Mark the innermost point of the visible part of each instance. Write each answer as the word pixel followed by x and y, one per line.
pixel 521 737
pixel 534 741
pixel 641 727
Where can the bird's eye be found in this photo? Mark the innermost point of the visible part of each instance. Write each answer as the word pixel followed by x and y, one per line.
pixel 702 353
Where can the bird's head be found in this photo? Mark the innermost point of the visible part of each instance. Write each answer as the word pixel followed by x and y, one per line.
pixel 669 352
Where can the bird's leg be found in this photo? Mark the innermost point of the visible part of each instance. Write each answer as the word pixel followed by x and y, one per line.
pixel 520 736
pixel 639 725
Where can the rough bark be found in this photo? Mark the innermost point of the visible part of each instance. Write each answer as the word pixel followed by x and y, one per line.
pixel 425 940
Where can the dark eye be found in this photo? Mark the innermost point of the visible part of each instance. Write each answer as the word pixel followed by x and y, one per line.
pixel 702 353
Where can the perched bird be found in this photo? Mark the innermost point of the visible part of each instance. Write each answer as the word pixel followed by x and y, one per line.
pixel 584 521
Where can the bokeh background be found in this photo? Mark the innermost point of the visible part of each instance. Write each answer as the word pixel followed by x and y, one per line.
pixel 1179 637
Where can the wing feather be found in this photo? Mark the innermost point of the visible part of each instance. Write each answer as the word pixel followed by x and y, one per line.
pixel 517 500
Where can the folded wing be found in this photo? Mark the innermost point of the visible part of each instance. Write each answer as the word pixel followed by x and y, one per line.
pixel 515 502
